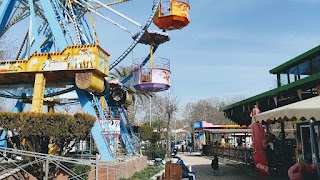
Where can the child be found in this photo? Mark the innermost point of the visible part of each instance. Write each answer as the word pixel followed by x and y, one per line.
pixel 215 165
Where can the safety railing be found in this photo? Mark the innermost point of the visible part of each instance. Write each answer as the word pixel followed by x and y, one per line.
pixel 238 154
pixel 48 162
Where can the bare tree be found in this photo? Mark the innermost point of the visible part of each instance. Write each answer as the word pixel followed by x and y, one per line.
pixel 66 108
pixel 232 99
pixel 154 108
pixel 189 115
pixel 207 110
pixel 7 48
pixel 170 107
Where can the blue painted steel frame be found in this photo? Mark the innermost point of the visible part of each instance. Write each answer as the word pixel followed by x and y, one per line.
pixel 96 131
pixel 126 138
pixel 83 36
pixel 123 130
pixel 33 28
pixel 134 137
pixel 54 24
pixel 3 143
pixel 18 107
pixel 5 11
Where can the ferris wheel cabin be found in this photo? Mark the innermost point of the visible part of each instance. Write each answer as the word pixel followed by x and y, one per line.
pixel 154 77
pixel 172 15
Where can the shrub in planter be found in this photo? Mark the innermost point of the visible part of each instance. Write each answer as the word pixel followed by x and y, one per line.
pixel 146 174
pixel 153 153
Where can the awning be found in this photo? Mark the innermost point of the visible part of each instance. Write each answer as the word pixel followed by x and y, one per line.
pixel 228 131
pixel 179 131
pixel 299 111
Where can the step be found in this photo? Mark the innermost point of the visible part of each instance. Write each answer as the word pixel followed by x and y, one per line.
pixel 10 173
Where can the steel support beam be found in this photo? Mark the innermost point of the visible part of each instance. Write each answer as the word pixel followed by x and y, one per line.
pixel 96 131
pixel 38 93
pixel 126 138
pixel 5 11
pixel 19 105
pixel 33 28
pixel 54 24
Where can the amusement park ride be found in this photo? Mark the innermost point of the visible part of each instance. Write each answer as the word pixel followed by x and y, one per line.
pixel 60 53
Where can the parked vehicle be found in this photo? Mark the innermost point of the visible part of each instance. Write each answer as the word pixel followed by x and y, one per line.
pixel 145 145
pixel 178 145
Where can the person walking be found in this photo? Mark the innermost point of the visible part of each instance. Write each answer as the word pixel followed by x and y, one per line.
pixel 190 147
pixel 215 165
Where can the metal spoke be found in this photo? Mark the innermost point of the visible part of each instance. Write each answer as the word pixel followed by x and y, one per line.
pixel 118 13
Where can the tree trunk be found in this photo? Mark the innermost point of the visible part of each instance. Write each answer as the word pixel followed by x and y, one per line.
pixel 193 138
pixel 168 137
pixel 131 113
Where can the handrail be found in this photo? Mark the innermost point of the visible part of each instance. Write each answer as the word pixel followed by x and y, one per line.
pixel 53 157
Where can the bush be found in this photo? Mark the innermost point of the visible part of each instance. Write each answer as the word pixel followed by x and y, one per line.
pixel 54 125
pixel 146 174
pixel 145 132
pixel 153 153
pixel 82 169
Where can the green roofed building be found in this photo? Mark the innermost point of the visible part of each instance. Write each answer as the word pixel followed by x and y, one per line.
pixel 297 79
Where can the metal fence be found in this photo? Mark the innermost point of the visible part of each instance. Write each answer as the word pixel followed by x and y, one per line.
pixel 239 154
pixel 13 167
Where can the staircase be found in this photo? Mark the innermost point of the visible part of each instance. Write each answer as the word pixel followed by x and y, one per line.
pixel 103 137
pixel 11 172
pixel 134 141
pixel 106 146
pixel 3 143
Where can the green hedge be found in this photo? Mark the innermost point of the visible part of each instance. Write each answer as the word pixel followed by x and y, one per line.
pixel 146 174
pixel 153 153
pixel 54 125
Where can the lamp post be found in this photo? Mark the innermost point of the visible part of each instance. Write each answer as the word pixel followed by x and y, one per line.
pixel 150 111
pixel 175 131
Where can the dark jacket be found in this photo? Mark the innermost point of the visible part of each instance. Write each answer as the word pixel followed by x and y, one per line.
pixel 185 169
pixel 214 164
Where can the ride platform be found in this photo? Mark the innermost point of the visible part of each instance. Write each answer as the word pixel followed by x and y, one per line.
pixel 58 68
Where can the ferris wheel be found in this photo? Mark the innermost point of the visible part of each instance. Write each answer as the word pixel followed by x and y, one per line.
pixel 65 45
pixel 52 25
pixel 46 26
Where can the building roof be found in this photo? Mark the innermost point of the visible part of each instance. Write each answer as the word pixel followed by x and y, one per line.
pixel 297 60
pixel 228 131
pixel 298 90
pixel 273 92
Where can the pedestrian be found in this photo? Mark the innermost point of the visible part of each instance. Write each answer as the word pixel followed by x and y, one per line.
pixel 172 146
pixel 215 165
pixel 190 147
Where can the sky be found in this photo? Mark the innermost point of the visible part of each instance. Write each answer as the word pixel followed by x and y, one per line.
pixel 230 45
pixel 227 49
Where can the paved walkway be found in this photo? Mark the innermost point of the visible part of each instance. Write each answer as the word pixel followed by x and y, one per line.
pixel 201 165
pixel 230 170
